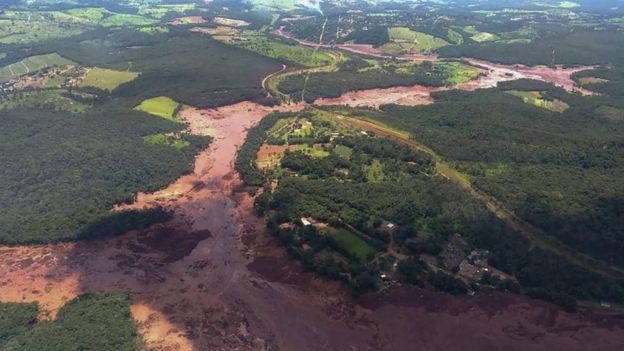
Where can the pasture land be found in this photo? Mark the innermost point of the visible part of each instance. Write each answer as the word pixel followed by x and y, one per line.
pixel 259 43
pixel 161 106
pixel 479 36
pixel 32 64
pixel 352 243
pixel 92 14
pixel 22 27
pixel 536 98
pixel 406 41
pixel 123 19
pixel 161 11
pixel 107 79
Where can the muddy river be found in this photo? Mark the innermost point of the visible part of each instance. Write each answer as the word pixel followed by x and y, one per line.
pixel 213 279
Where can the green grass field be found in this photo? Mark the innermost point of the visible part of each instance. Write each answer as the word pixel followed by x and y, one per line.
pixel 22 27
pixel 161 10
pixel 478 36
pixel 535 98
pixel 404 41
pixel 352 243
pixel 107 79
pixel 93 14
pixel 161 106
pixel 122 19
pixel 32 64
pixel 259 43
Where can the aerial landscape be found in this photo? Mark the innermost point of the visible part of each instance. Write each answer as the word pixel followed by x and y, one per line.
pixel 293 175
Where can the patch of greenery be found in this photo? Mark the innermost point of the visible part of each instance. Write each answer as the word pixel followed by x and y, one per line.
pixel 352 243
pixel 535 98
pixel 406 41
pixel 32 64
pixel 258 42
pixel 124 19
pixel 161 106
pixel 107 79
pixel 89 322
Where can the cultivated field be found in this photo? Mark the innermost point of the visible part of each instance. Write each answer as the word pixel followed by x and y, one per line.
pixel 107 79
pixel 406 41
pixel 161 106
pixel 32 64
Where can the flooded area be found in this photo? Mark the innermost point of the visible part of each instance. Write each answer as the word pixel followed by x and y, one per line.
pixel 213 279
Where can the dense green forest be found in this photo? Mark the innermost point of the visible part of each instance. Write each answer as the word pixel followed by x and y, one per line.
pixel 63 172
pixel 89 322
pixel 559 171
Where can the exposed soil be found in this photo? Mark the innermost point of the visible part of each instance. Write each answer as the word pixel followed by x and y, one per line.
pixel 409 96
pixel 213 279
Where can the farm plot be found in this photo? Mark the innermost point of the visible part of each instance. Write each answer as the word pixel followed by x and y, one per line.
pixel 32 64
pixel 107 79
pixel 161 106
pixel 479 36
pixel 21 27
pixel 123 19
pixel 352 243
pixel 259 43
pixel 406 41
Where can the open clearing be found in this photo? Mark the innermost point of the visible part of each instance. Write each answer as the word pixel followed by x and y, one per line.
pixel 352 243
pixel 161 106
pixel 32 64
pixel 122 19
pixel 107 79
pixel 406 41
pixel 535 98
